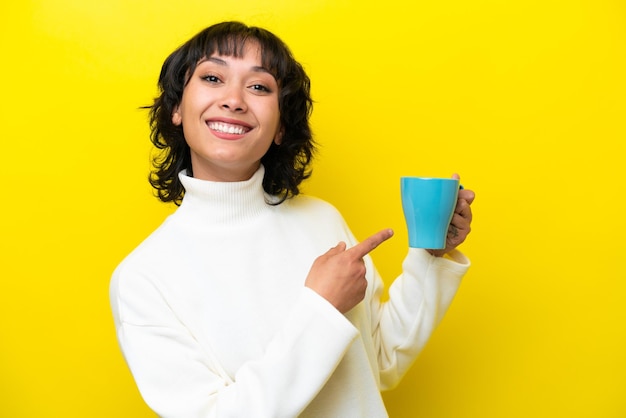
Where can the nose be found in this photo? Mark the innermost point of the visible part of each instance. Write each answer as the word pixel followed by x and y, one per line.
pixel 233 100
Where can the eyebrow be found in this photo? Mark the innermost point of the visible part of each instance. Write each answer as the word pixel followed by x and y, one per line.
pixel 218 61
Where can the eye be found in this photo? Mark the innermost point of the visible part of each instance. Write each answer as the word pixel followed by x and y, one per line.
pixel 211 78
pixel 260 88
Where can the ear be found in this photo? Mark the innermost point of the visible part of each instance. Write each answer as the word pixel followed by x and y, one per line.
pixel 177 119
pixel 278 139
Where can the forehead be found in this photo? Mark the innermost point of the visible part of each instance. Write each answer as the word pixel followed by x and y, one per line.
pixel 250 61
pixel 231 45
pixel 267 54
pixel 250 50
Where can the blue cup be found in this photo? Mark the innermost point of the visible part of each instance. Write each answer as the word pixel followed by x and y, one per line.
pixel 428 205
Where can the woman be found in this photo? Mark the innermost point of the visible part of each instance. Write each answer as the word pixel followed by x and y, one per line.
pixel 235 306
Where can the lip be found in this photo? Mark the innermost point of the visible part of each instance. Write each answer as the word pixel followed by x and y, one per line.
pixel 225 135
pixel 230 121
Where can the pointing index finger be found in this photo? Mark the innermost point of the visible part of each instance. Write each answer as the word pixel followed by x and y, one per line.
pixel 369 244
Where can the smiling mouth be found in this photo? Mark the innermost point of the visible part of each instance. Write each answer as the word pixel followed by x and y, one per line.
pixel 228 128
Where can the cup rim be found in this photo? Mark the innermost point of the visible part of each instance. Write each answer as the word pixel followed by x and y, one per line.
pixel 429 178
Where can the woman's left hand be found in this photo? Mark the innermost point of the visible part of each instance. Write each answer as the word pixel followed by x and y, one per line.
pixel 460 226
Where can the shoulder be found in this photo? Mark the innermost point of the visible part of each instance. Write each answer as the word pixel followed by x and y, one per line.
pixel 310 203
pixel 316 218
pixel 150 255
pixel 136 287
pixel 314 207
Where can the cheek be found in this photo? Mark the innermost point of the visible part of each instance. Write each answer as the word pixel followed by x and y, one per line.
pixel 193 101
pixel 276 118
pixel 192 134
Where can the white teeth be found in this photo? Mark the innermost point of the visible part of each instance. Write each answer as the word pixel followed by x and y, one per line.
pixel 227 128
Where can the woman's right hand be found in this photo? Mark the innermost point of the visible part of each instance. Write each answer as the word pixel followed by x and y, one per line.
pixel 339 274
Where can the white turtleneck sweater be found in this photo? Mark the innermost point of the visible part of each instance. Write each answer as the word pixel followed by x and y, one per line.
pixel 214 320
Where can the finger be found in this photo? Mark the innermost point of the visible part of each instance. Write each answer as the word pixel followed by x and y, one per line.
pixel 453 231
pixel 466 195
pixel 464 209
pixel 460 223
pixel 369 244
pixel 458 231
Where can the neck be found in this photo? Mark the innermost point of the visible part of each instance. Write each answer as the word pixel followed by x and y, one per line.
pixel 224 203
pixel 226 173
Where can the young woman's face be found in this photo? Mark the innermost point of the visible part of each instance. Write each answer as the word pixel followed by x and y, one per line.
pixel 230 116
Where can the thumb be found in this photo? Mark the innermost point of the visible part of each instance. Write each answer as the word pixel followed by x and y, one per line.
pixel 337 249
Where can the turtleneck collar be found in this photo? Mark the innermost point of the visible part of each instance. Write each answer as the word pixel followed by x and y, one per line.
pixel 224 203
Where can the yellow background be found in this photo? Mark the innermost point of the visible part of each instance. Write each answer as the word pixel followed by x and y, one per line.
pixel 524 98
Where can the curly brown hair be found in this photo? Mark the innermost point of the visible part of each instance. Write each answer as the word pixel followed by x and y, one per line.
pixel 287 165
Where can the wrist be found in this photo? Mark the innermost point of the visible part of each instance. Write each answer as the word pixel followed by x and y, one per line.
pixel 436 253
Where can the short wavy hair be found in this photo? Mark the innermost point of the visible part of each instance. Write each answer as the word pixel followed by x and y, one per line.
pixel 286 165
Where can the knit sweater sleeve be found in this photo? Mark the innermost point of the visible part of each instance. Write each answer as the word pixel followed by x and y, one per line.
pixel 177 377
pixel 418 299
